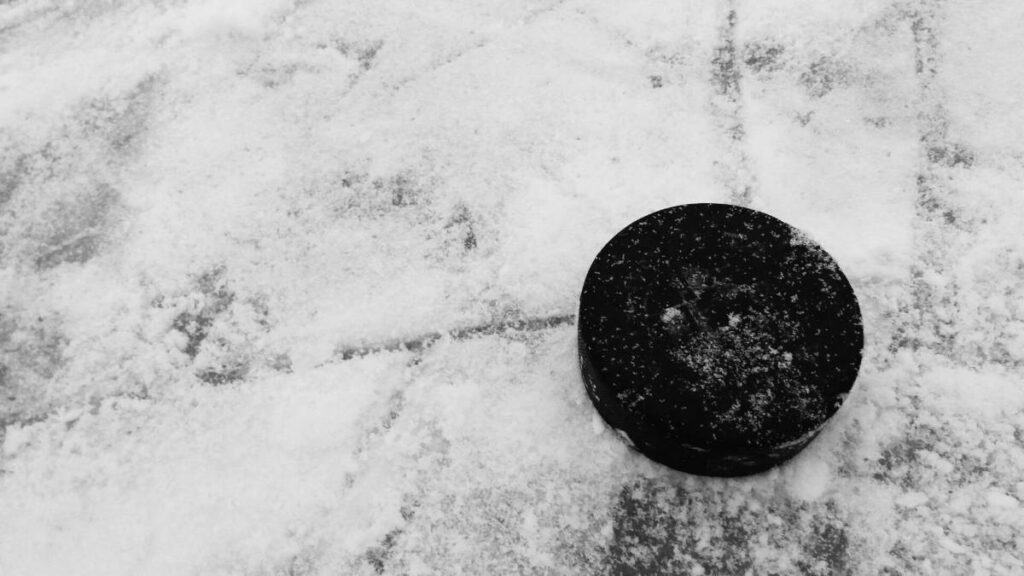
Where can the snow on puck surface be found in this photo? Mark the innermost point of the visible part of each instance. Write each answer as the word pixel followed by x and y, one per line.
pixel 718 339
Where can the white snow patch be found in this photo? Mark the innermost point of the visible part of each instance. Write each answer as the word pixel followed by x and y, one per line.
pixel 809 477
pixel 912 499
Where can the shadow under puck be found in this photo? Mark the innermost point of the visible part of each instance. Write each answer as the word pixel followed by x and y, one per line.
pixel 718 339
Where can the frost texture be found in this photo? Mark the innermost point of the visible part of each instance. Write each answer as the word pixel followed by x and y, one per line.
pixel 221 223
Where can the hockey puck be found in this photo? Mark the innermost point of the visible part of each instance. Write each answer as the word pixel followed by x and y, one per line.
pixel 717 339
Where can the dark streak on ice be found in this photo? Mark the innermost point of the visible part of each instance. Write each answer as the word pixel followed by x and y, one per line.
pixel 727 109
pixel 664 528
pixel 937 218
pixel 762 56
pixel 424 341
pixel 725 75
pixel 378 556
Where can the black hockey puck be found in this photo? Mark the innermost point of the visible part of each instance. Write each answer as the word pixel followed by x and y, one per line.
pixel 716 338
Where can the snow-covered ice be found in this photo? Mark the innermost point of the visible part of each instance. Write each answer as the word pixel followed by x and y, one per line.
pixel 288 287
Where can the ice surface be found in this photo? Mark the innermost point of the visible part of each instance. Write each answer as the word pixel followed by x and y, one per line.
pixel 287 287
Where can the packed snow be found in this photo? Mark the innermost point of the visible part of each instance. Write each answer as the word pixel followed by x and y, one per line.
pixel 288 287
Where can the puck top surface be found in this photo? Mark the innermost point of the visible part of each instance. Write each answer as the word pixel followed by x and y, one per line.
pixel 713 330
